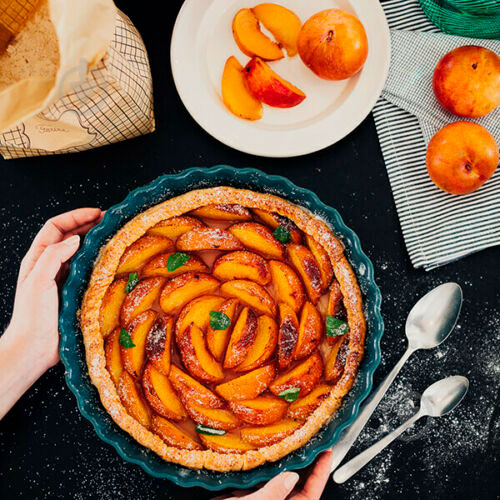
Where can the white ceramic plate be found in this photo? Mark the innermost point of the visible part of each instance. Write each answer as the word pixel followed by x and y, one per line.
pixel 202 41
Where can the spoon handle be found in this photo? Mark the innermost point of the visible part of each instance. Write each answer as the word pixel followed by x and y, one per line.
pixel 343 445
pixel 350 468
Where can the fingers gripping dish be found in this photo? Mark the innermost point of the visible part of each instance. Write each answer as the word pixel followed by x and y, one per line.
pixel 210 332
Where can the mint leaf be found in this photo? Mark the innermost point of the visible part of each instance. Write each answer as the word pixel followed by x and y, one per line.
pixel 335 327
pixel 290 395
pixel 219 320
pixel 203 429
pixel 281 233
pixel 133 279
pixel 176 260
pixel 125 339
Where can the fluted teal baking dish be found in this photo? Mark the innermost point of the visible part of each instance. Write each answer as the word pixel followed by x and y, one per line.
pixel 73 353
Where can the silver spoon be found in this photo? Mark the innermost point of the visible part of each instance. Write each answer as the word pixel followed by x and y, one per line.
pixel 437 400
pixel 429 323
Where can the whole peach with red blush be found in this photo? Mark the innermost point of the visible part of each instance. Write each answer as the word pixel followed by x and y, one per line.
pixel 461 157
pixel 466 81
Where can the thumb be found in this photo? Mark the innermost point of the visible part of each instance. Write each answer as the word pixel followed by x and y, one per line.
pixel 277 489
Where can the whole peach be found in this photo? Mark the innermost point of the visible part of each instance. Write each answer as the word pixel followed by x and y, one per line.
pixel 461 157
pixel 466 81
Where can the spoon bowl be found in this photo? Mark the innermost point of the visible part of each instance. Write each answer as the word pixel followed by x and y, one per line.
pixel 444 395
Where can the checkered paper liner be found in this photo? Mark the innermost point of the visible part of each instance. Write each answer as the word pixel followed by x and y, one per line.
pixel 114 102
pixel 438 227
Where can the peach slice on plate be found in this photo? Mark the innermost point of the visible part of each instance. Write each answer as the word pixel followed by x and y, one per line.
pixel 175 226
pixel 288 334
pixel 172 435
pixel 113 355
pixel 301 408
pixel 133 401
pixel 217 339
pixel 248 386
pixel 198 312
pixel 242 265
pixel 263 346
pixel 230 212
pixel 157 266
pixel 161 395
pixel 242 337
pixel 141 251
pixel 133 357
pixel 228 443
pixel 184 288
pixel 251 40
pixel 335 360
pixel 250 293
pixel 257 237
pixel 140 299
pixel 216 418
pixel 322 259
pixel 269 434
pixel 304 262
pixel 208 238
pixel 191 390
pixel 282 23
pixel 274 220
pixel 195 356
pixel 263 410
pixel 310 331
pixel 109 315
pixel 287 284
pixel 268 87
pixel 159 344
pixel 305 376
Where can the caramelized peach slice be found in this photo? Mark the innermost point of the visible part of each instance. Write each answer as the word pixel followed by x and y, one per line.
pixel 269 434
pixel 287 285
pixel 192 391
pixel 251 40
pixel 304 376
pixel 228 443
pixel 251 294
pixel 157 266
pixel 242 265
pixel 248 386
pixel 257 237
pixel 133 401
pixel 195 356
pixel 109 315
pixel 223 212
pixel 217 339
pixel 303 407
pixel 274 220
pixel 268 87
pixel 282 23
pixel 175 226
pixel 208 238
pixel 198 312
pixel 310 331
pixel 161 395
pixel 242 338
pixel 287 337
pixel 133 357
pixel 159 344
pixel 335 361
pixel 172 435
pixel 323 261
pixel 141 298
pixel 264 345
pixel 141 251
pixel 263 410
pixel 113 356
pixel 184 288
pixel 307 267
pixel 216 418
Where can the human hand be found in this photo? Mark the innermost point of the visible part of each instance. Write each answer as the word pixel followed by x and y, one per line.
pixel 29 346
pixel 281 486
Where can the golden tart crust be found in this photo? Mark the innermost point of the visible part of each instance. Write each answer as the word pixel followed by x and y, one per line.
pixel 104 273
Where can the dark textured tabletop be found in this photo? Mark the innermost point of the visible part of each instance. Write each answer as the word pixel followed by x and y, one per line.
pixel 48 450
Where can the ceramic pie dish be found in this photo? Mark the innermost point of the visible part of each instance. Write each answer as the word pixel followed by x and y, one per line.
pixel 122 387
